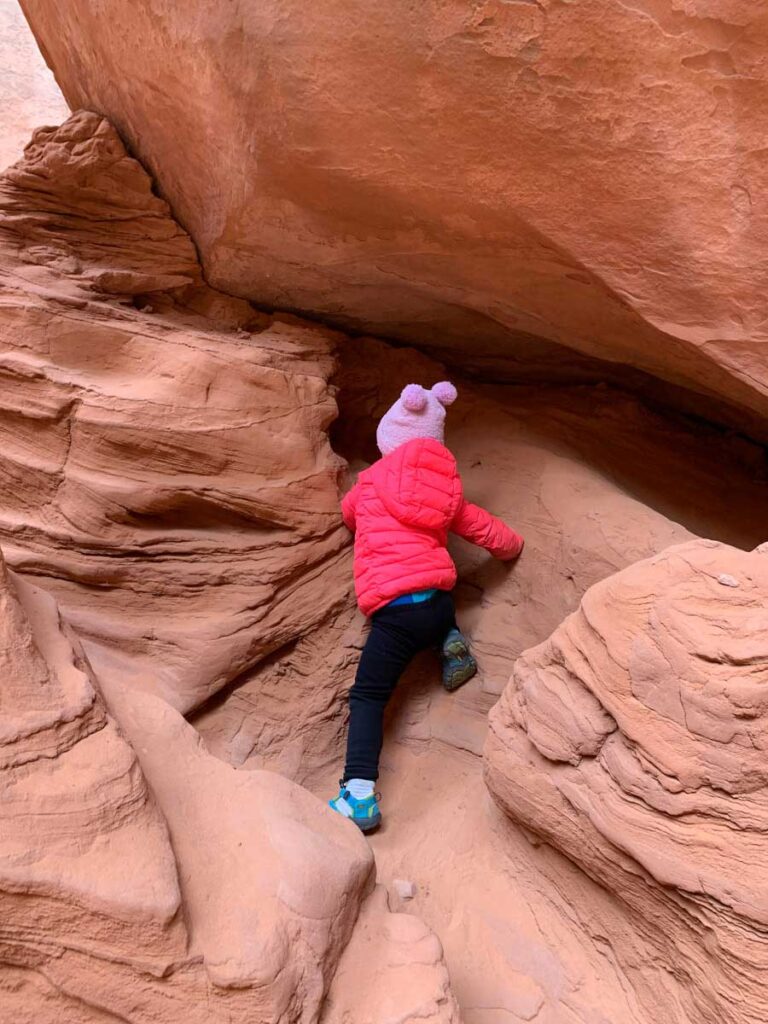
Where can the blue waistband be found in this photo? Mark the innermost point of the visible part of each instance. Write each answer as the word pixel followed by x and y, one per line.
pixel 417 598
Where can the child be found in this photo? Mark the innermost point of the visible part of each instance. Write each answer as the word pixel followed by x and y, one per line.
pixel 401 510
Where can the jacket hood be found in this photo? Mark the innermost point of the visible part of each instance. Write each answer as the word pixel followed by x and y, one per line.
pixel 418 484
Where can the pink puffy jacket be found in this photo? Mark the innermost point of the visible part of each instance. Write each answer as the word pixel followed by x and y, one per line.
pixel 401 509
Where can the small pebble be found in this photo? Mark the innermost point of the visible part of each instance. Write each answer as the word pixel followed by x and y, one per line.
pixel 727 581
pixel 405 890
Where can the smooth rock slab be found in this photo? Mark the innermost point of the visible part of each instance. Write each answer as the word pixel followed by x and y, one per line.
pixel 494 179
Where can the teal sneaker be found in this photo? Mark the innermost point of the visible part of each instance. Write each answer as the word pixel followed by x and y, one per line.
pixel 365 813
pixel 458 664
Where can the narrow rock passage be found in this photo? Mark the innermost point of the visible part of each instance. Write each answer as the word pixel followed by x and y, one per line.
pixel 594 481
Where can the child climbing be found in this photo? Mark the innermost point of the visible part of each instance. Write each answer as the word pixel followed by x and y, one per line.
pixel 401 510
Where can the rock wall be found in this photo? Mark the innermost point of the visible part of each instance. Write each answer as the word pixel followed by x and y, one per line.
pixel 496 179
pixel 141 438
pixel 633 740
pixel 223 896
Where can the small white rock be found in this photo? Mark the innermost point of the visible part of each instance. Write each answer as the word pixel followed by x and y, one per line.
pixel 405 890
pixel 727 581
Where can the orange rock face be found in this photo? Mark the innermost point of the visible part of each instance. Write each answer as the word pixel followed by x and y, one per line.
pixel 633 740
pixel 222 897
pixel 489 177
pixel 140 447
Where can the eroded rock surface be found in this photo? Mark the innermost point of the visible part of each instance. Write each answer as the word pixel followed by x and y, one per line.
pixel 77 821
pixel 143 418
pixel 167 473
pixel 493 178
pixel 392 970
pixel 633 741
pixel 272 880
pixel 224 896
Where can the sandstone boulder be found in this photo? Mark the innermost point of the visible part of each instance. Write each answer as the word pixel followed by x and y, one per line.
pixel 392 970
pixel 633 741
pixel 496 179
pixel 272 879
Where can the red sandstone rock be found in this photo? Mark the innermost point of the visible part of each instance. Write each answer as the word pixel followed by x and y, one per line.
pixel 488 178
pixel 392 970
pixel 79 203
pixel 140 451
pixel 633 740
pixel 92 885
pixel 77 823
pixel 165 471
pixel 271 878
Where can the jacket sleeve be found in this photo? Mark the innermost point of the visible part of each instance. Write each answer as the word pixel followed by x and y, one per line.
pixel 479 527
pixel 348 507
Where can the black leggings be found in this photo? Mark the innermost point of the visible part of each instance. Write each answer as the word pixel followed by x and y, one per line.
pixel 397 634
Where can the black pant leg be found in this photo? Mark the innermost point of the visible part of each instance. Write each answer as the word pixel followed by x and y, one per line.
pixel 397 635
pixel 443 619
pixel 391 645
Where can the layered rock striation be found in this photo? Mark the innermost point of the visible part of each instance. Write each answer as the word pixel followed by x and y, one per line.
pixel 633 741
pixel 142 418
pixel 216 896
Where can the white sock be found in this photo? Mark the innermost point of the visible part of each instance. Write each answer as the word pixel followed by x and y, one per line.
pixel 359 788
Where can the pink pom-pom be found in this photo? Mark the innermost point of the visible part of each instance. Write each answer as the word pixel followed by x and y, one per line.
pixel 445 392
pixel 414 397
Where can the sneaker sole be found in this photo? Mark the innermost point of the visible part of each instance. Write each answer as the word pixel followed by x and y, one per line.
pixel 453 680
pixel 368 826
